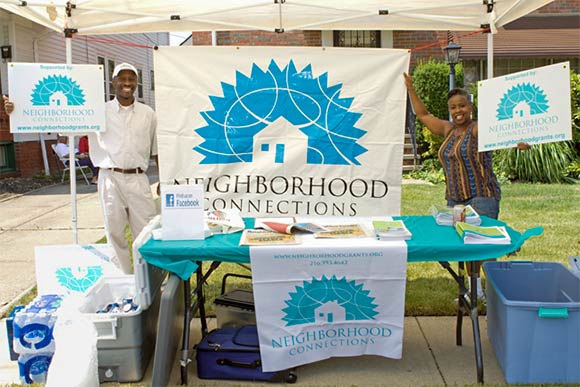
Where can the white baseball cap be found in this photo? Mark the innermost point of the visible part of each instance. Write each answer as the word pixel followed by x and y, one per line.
pixel 124 66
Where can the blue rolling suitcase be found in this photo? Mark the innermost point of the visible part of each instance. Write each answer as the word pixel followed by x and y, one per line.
pixel 234 353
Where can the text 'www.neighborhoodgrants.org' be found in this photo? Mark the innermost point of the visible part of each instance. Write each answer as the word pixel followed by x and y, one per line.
pixel 530 140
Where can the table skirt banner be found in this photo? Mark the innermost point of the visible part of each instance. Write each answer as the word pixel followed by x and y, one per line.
pixel 327 298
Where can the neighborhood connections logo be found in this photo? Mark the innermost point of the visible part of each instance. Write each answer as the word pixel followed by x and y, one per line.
pixel 78 279
pixel 329 300
pixel 522 100
pixel 255 114
pixel 57 91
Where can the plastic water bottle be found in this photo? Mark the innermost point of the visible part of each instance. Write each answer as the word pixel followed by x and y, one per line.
pixel 33 325
pixel 33 367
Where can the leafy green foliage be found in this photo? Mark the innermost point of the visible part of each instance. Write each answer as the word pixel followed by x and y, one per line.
pixel 543 163
pixel 431 171
pixel 431 81
pixel 573 171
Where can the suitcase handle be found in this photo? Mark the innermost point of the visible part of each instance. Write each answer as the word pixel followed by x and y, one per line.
pixel 224 279
pixel 228 362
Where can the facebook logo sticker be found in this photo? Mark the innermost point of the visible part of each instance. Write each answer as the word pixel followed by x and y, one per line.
pixel 170 200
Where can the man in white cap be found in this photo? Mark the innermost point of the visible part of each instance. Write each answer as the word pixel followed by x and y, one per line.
pixel 122 153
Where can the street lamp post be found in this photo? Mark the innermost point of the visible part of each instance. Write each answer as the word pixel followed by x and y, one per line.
pixel 452 58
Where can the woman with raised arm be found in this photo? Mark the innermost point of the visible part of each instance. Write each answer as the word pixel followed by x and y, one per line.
pixel 469 176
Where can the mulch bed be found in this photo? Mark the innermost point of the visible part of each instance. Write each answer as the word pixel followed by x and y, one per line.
pixel 20 185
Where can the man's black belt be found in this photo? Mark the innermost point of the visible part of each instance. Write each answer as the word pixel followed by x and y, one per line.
pixel 127 171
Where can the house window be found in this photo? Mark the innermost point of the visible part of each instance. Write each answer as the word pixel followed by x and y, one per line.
pixel 7 157
pixel 152 78
pixel 139 84
pixel 108 67
pixel 357 38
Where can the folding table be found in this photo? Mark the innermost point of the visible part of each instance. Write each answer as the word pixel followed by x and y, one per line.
pixel 430 242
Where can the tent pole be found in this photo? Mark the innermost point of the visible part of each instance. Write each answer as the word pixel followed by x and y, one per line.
pixel 489 55
pixel 71 160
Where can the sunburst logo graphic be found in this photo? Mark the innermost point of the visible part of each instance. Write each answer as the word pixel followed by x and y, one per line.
pixel 57 90
pixel 329 300
pixel 256 113
pixel 522 100
pixel 79 279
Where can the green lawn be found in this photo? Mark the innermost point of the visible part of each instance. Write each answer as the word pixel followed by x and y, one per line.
pixel 430 289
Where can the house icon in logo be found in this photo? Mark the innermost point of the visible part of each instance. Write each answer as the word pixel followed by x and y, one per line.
pixel 330 312
pixel 279 142
pixel 58 99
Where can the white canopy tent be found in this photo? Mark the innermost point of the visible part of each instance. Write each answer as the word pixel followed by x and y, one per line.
pixel 93 17
pixel 90 17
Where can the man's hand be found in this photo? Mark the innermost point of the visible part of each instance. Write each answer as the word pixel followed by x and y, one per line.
pixel 8 106
pixel 523 146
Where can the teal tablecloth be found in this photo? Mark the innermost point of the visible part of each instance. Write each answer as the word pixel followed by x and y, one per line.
pixel 430 243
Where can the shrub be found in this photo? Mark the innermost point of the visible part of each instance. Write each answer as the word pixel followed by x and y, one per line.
pixel 431 81
pixel 543 163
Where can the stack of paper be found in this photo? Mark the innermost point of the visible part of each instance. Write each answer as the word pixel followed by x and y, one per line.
pixel 266 238
pixel 477 235
pixel 391 230
pixel 444 215
pixel 287 225
pixel 342 231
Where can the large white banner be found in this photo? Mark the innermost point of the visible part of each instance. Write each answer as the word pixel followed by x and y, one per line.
pixel 326 298
pixel 51 97
pixel 531 106
pixel 284 131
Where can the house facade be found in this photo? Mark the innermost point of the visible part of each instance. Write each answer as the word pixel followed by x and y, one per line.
pixel 23 41
pixel 547 36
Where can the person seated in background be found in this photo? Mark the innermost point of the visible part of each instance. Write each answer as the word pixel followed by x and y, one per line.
pixel 63 151
pixel 84 148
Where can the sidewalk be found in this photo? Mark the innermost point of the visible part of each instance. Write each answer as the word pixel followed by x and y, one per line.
pixel 42 217
pixel 430 358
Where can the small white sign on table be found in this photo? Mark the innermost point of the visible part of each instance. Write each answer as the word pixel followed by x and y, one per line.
pixel 531 106
pixel 182 212
pixel 50 97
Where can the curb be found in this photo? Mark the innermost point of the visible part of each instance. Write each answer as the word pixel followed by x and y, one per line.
pixel 4 310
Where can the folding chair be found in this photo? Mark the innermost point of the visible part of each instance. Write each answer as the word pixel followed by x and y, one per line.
pixel 63 164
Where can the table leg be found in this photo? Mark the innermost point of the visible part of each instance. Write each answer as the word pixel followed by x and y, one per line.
pixel 474 315
pixel 201 299
pixel 461 291
pixel 467 303
pixel 186 322
pixel 190 310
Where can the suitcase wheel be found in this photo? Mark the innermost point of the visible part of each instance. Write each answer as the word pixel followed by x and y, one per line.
pixel 291 378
